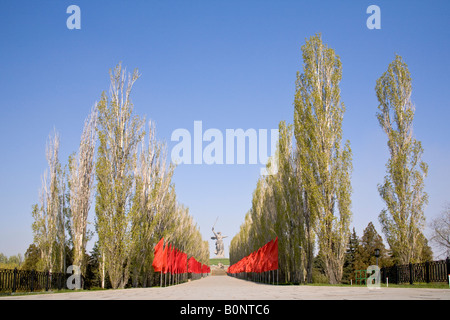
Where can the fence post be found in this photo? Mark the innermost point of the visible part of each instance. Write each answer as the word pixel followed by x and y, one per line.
pixel 396 273
pixel 383 275
pixel 411 274
pixel 427 271
pixel 14 280
pixel 60 275
pixel 32 280
pixel 47 281
pixel 448 269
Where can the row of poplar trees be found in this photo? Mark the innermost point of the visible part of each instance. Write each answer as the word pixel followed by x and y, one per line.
pixel 135 200
pixel 307 203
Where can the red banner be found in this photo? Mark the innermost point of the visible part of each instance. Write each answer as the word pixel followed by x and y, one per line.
pixel 168 259
pixel 262 260
pixel 158 256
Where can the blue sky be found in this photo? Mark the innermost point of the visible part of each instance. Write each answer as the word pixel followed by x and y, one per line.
pixel 230 64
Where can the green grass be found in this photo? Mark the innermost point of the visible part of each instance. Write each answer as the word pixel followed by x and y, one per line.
pixel 224 261
pixel 435 285
pixel 23 293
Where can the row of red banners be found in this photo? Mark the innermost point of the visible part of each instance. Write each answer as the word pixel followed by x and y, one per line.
pixel 169 259
pixel 264 259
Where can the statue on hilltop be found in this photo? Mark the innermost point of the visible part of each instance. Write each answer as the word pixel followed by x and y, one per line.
pixel 219 243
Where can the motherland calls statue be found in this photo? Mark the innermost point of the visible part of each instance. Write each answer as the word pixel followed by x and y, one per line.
pixel 219 243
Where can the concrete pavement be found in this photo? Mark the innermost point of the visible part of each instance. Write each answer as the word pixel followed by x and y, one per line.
pixel 228 288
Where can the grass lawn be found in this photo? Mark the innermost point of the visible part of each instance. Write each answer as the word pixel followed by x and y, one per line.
pixel 23 293
pixel 434 285
pixel 224 261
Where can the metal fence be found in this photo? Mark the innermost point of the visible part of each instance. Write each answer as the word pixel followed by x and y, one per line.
pixel 432 271
pixel 12 280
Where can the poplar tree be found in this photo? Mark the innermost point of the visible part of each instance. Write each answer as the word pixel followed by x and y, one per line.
pixel 287 197
pixel 152 204
pixel 309 196
pixel 324 163
pixel 277 211
pixel 81 182
pixel 119 133
pixel 48 228
pixel 402 191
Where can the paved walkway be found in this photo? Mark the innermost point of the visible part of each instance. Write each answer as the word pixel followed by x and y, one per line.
pixel 228 288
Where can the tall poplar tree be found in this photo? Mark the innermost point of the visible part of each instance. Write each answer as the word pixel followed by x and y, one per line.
pixel 287 198
pixel 48 226
pixel 119 133
pixel 403 219
pixel 152 202
pixel 81 182
pixel 324 163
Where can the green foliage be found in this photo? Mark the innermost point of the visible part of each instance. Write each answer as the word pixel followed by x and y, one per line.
pixel 15 261
pixel 32 258
pixel 309 197
pixel 319 270
pixel 324 164
pixel 136 203
pixel 49 220
pixel 365 254
pixel 350 258
pixel 403 219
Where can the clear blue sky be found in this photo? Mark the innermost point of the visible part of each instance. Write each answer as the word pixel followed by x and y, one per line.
pixel 230 64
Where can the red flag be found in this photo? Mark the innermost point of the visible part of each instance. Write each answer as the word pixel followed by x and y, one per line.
pixel 191 265
pixel 248 262
pixel 199 267
pixel 273 255
pixel 157 260
pixel 170 259
pixel 195 266
pixel 180 262
pixel 242 264
pixel 258 261
pixel 175 261
pixel 164 264
pixel 265 257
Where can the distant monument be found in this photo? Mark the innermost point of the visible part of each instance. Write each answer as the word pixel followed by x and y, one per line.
pixel 219 244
